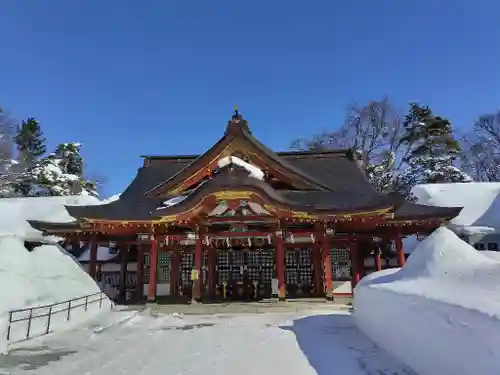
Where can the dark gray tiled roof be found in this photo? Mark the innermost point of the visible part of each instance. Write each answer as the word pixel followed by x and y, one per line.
pixel 340 182
pixel 414 211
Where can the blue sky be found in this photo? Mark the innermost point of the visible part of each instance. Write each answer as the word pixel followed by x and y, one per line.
pixel 161 77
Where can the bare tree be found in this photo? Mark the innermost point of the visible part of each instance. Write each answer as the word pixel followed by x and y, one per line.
pixel 8 174
pixel 481 149
pixel 374 129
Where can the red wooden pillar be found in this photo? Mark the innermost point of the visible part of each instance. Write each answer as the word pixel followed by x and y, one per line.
pixel 378 260
pixel 399 251
pixel 198 260
pixel 93 259
pixel 212 271
pixel 327 266
pixel 280 264
pixel 174 271
pixel 355 264
pixel 318 269
pixel 140 273
pixel 153 270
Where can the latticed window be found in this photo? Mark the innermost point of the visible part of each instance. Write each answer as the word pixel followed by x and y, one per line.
pixel 341 264
pixel 163 271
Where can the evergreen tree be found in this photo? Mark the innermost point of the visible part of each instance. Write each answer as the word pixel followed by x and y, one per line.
pixel 60 173
pixel 433 150
pixel 30 141
pixel 382 175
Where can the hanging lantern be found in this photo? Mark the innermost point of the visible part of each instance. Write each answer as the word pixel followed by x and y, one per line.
pixel 313 238
pixel 292 239
pixel 228 242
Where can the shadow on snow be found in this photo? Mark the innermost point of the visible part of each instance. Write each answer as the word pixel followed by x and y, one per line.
pixel 31 358
pixel 333 344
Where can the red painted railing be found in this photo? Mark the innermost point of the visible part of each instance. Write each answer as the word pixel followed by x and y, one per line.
pixel 66 307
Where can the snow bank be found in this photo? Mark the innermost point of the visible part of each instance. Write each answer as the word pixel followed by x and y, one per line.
pixel 440 313
pixel 481 202
pixel 46 275
pixel 15 211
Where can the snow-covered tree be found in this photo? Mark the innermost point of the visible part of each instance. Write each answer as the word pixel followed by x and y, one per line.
pixel 382 175
pixel 433 150
pixel 60 173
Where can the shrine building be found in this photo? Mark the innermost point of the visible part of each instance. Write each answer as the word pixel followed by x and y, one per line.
pixel 225 224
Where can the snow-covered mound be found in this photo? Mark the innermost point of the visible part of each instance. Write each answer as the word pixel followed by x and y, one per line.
pixel 15 211
pixel 44 276
pixel 481 202
pixel 495 255
pixel 440 313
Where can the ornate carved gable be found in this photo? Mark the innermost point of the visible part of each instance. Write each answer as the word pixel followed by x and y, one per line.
pixel 228 208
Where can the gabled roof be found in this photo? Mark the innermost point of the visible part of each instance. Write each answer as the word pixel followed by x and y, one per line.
pixel 335 183
pixel 237 133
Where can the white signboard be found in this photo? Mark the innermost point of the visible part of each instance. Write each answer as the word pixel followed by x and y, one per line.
pixel 275 286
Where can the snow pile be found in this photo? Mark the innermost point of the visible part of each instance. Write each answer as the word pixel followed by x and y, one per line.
pixel 252 169
pixel 440 313
pixel 481 202
pixel 15 211
pixel 42 277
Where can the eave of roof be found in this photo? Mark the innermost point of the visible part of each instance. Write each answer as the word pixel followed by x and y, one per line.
pixel 414 211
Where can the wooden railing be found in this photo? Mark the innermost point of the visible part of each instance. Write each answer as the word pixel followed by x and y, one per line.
pixel 31 314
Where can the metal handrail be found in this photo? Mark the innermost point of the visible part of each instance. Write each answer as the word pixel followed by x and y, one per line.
pixel 68 306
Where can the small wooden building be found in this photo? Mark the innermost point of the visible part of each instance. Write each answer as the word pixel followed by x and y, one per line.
pixel 232 222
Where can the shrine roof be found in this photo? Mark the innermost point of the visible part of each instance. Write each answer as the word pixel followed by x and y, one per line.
pixel 414 211
pixel 330 168
pixel 133 205
pixel 332 181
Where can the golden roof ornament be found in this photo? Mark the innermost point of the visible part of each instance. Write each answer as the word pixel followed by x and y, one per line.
pixel 237 122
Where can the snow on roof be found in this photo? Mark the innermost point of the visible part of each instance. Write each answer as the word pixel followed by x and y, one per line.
pixel 15 211
pixel 103 255
pixel 110 199
pixel 481 202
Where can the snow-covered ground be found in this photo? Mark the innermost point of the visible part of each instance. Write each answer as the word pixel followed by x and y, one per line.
pixel 440 313
pixel 287 343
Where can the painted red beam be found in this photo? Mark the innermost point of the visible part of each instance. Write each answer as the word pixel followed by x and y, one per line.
pixel 240 219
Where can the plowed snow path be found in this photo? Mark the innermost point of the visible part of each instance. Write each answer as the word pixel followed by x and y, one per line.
pixel 215 345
